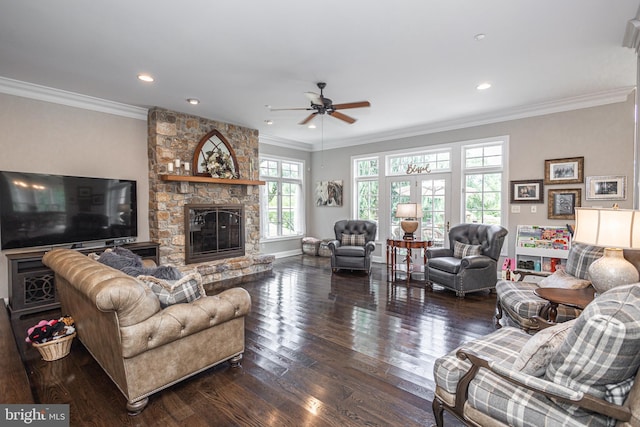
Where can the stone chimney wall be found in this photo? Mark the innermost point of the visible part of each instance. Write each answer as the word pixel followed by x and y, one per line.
pixel 174 135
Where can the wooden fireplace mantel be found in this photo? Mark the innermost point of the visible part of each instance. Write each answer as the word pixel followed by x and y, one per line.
pixel 207 179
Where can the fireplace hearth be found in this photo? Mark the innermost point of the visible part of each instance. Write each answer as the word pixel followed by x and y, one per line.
pixel 213 232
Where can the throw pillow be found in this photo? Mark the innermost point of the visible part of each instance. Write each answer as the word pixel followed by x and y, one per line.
pixel 461 250
pixel 562 279
pixel 538 351
pixel 580 258
pixel 169 292
pixel 353 239
pixel 603 347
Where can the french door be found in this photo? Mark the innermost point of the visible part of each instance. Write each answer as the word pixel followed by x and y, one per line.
pixel 433 193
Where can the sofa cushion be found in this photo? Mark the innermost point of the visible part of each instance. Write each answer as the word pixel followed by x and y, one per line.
pixel 445 263
pixel 461 250
pixel 353 239
pixel 536 354
pixel 187 289
pixel 502 344
pixel 603 347
pixel 517 406
pixel 580 258
pixel 562 279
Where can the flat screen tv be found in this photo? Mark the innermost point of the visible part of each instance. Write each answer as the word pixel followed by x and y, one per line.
pixel 48 210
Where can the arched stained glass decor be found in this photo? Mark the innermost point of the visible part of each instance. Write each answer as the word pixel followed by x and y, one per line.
pixel 214 157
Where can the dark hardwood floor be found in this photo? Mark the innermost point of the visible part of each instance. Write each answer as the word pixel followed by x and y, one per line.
pixel 321 350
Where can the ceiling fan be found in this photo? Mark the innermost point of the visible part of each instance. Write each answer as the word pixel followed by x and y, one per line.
pixel 321 105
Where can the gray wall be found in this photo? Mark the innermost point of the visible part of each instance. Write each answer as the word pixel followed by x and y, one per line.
pixel 604 135
pixel 44 137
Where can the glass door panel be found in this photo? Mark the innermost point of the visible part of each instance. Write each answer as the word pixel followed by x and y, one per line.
pixel 435 210
pixel 399 192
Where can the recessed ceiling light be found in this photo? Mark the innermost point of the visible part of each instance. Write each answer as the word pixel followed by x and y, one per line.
pixel 193 101
pixel 269 122
pixel 479 36
pixel 145 78
pixel 483 86
pixel 312 126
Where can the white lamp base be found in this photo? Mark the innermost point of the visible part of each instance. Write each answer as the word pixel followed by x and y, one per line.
pixel 612 270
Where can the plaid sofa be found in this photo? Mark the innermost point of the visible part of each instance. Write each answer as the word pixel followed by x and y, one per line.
pixel 518 301
pixel 588 376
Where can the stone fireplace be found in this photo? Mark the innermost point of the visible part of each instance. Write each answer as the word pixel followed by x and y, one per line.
pixel 173 136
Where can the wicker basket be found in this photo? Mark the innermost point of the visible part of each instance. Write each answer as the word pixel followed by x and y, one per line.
pixel 55 349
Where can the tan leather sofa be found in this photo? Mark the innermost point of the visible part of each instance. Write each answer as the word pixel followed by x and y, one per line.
pixel 142 347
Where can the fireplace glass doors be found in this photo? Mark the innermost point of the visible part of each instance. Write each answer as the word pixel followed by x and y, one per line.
pixel 213 232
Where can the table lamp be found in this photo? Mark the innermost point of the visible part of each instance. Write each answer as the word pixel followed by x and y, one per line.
pixel 409 212
pixel 615 229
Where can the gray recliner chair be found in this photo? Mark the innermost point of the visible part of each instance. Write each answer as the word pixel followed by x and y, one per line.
pixel 353 245
pixel 470 264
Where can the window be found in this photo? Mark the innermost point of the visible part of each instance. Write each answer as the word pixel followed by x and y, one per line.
pixel 423 162
pixel 483 183
pixel 281 198
pixel 367 189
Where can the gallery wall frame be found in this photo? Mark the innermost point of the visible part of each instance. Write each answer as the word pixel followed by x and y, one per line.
pixel 562 203
pixel 527 191
pixel 564 171
pixel 609 187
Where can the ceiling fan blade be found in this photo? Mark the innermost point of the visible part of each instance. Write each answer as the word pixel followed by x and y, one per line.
pixel 352 105
pixel 342 117
pixel 314 98
pixel 308 119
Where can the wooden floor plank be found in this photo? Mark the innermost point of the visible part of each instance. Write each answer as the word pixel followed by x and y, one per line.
pixel 322 349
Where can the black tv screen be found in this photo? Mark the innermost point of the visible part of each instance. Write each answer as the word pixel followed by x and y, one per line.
pixel 47 210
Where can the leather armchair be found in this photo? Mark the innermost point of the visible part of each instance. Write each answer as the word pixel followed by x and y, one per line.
pixel 467 273
pixel 353 256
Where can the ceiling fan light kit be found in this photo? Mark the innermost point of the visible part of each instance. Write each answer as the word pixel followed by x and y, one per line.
pixel 321 105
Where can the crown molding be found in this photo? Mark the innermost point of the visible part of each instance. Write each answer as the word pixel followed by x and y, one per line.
pixel 522 112
pixel 285 143
pixel 71 99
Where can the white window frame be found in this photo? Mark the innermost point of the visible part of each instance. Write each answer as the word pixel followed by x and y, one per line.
pixel 368 178
pixel 503 142
pixel 264 209
pixel 456 169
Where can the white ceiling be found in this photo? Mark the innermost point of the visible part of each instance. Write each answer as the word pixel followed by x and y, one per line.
pixel 417 62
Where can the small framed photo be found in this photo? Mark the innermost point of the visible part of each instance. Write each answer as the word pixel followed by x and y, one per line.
pixel 527 191
pixel 606 187
pixel 564 171
pixel 562 203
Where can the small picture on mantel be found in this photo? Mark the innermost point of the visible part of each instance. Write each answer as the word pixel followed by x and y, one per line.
pixel 329 193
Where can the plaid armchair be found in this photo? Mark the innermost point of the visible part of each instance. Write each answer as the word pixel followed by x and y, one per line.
pixel 519 303
pixel 578 373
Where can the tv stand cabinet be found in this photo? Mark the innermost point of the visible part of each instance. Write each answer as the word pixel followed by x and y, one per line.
pixel 32 284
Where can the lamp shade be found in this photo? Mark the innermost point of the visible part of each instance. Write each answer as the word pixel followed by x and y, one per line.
pixel 615 229
pixel 408 210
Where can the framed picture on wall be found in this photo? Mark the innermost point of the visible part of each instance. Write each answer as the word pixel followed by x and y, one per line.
pixel 606 187
pixel 527 191
pixel 562 203
pixel 329 193
pixel 564 171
